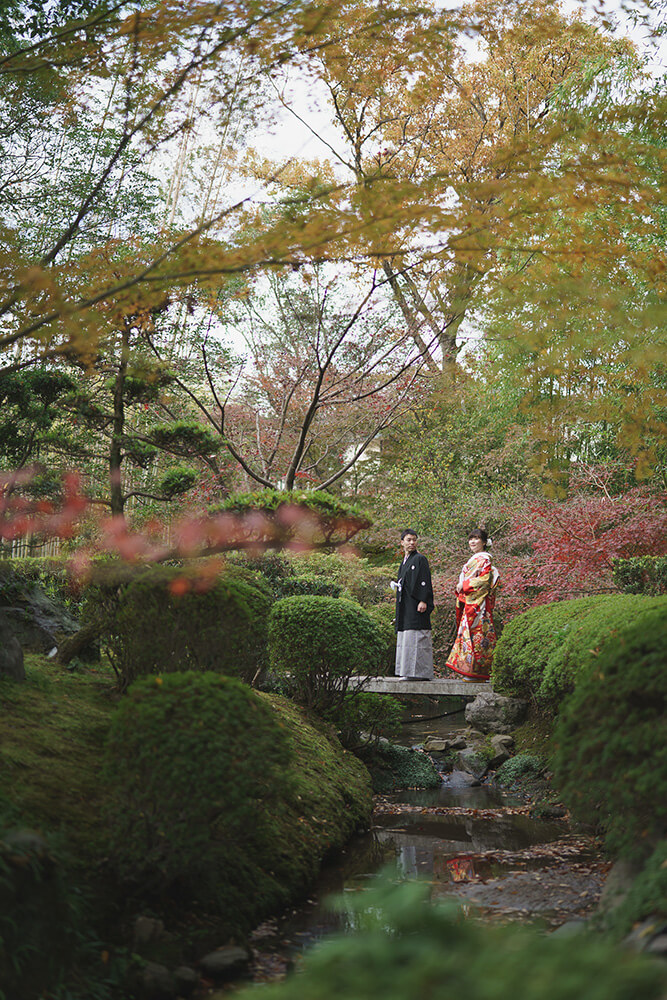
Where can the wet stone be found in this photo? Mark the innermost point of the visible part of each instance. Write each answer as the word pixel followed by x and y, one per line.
pixel 225 963
pixel 186 981
pixel 472 762
pixel 157 983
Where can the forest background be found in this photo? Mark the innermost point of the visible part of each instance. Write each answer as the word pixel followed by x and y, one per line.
pixel 452 317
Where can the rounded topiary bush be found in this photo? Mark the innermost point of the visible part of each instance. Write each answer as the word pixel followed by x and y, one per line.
pixel 170 619
pixel 611 738
pixel 383 615
pixel 317 643
pixel 542 652
pixel 193 762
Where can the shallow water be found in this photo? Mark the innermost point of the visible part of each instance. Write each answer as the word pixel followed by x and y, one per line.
pixel 467 842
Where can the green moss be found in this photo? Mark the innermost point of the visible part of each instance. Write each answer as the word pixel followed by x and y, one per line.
pixel 535 735
pixel 51 732
pixel 542 652
pixel 393 767
pixel 328 795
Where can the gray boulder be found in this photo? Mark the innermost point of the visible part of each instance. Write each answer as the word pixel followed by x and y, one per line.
pixel 472 762
pixel 498 758
pixel 494 713
pixel 32 617
pixel 434 744
pixel 501 742
pixel 461 779
pixel 225 963
pixel 157 982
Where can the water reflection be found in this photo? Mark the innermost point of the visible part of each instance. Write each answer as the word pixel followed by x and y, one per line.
pixel 434 836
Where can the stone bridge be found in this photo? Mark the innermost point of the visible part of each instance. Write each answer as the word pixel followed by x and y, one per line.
pixel 439 687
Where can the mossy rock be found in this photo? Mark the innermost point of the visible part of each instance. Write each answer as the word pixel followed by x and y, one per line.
pixel 393 767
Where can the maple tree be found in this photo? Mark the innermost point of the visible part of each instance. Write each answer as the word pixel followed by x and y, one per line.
pixel 323 373
pixel 459 138
pixel 570 544
pixel 473 133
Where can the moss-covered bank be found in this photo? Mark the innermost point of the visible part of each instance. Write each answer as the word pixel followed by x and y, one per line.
pixel 53 731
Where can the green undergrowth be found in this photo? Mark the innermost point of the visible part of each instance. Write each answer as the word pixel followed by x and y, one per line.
pixel 53 729
pixel 393 767
pixel 51 732
pixel 405 947
pixel 328 795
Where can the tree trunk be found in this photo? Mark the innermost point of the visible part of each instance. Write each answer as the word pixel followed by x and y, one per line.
pixel 116 445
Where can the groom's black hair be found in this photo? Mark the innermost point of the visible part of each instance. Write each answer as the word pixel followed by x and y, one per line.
pixel 408 531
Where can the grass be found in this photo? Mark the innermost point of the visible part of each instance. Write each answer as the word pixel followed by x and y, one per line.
pixel 52 728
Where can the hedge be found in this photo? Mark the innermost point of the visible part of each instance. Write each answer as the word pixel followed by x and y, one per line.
pixel 610 760
pixel 542 651
pixel 318 643
pixel 171 619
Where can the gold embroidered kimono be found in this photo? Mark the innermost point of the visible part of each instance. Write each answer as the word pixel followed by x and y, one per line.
pixel 472 651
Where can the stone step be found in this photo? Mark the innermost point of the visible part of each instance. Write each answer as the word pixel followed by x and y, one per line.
pixel 438 687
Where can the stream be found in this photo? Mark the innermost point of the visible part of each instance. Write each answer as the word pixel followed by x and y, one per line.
pixel 477 844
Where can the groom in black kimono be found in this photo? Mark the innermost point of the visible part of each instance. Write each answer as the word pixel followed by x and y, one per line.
pixel 414 604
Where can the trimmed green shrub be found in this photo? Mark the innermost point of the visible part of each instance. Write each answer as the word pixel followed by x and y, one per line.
pixel 393 767
pixel 318 643
pixel 362 718
pixel 406 948
pixel 193 762
pixel 541 652
pixel 647 896
pixel 383 615
pixel 224 799
pixel 168 619
pixel 641 574
pixel 308 584
pixel 610 760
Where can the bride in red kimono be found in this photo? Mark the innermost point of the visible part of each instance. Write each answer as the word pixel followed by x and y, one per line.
pixel 472 651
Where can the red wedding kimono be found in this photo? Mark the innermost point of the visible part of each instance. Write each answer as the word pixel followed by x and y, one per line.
pixel 472 651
